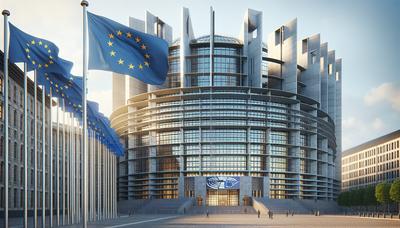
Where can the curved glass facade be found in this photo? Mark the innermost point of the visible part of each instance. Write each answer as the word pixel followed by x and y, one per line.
pixel 227 129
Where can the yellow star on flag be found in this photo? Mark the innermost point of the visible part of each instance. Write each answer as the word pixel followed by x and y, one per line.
pixel 120 61
pixel 129 35
pixel 40 43
pixel 119 33
pixel 110 43
pixel 33 62
pixel 32 42
pixel 131 66
pixel 112 53
pixel 45 65
pixel 143 47
pixel 26 49
pixel 140 66
pixel 137 39
pixel 146 63
pixel 46 46
pixel 147 56
pixel 111 36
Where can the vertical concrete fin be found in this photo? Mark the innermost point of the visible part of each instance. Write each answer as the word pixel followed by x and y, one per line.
pixel 251 37
pixel 324 76
pixel 212 33
pixel 186 36
pixel 156 27
pixel 338 119
pixel 308 57
pixel 331 85
pixel 282 45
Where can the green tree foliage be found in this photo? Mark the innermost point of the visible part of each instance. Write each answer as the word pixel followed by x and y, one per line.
pixel 358 197
pixel 369 196
pixel 395 191
pixel 382 193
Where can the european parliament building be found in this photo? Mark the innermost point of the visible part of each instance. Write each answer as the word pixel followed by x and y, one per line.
pixel 238 118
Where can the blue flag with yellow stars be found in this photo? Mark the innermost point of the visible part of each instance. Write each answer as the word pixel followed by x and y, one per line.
pixel 39 54
pixel 120 49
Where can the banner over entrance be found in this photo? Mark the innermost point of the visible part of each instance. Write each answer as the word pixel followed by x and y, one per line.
pixel 223 182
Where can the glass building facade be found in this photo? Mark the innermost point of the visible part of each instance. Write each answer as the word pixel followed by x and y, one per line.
pixel 217 115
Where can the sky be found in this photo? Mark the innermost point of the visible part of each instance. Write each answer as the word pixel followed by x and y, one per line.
pixel 364 33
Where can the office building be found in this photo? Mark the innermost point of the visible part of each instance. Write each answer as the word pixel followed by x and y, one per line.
pixel 372 162
pixel 237 118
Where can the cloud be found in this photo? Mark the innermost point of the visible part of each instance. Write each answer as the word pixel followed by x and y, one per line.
pixel 378 124
pixel 358 130
pixel 104 98
pixel 386 92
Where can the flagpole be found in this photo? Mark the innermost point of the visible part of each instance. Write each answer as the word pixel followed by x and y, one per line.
pixel 25 146
pixel 51 159
pixel 58 163
pixel 73 148
pixel 35 217
pixel 43 157
pixel 98 179
pixel 63 166
pixel 90 148
pixel 6 13
pixel 103 162
pixel 92 192
pixel 85 4
pixel 71 116
pixel 107 184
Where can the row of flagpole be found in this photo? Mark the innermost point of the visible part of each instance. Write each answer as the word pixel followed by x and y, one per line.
pixel 104 197
pixel 75 204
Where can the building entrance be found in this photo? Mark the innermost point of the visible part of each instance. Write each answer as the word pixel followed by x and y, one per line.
pixel 222 197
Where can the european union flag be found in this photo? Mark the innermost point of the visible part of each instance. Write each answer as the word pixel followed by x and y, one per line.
pixel 39 54
pixel 118 48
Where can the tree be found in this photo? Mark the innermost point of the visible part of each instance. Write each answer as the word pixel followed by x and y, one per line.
pixel 369 196
pixel 395 192
pixel 344 199
pixel 382 193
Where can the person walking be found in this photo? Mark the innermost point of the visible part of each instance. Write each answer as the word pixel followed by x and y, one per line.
pixel 258 213
pixel 207 214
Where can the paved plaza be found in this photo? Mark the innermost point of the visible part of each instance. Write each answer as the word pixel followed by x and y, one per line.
pixel 243 221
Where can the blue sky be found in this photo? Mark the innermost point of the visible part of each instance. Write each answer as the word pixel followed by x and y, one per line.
pixel 365 33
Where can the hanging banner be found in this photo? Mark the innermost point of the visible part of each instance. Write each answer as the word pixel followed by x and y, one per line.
pixel 223 182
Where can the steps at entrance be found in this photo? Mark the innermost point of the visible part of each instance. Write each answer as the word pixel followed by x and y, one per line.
pixel 162 206
pixel 281 206
pixel 153 206
pixel 221 210
pixel 300 206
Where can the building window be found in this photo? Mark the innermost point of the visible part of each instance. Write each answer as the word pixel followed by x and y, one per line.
pixel 330 69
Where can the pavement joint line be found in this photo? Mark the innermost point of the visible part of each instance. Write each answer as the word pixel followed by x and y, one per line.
pixel 350 216
pixel 140 222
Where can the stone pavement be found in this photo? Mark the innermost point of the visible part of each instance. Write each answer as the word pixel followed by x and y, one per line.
pixel 243 221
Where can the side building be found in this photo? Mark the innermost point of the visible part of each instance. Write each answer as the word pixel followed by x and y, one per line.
pixel 237 118
pixel 62 177
pixel 372 162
